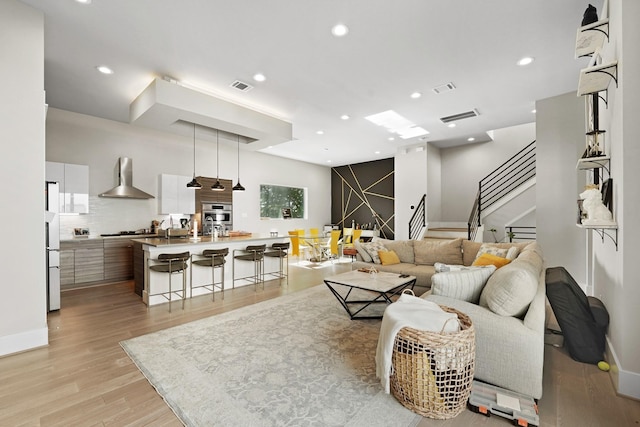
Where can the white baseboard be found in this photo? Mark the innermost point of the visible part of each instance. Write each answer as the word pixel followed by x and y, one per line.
pixel 23 341
pixel 626 383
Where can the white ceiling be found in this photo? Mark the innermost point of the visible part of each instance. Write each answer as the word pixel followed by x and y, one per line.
pixel 393 48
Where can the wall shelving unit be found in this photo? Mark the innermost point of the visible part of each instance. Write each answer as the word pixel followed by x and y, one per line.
pixel 593 84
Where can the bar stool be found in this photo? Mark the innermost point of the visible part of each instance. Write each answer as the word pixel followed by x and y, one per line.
pixel 254 254
pixel 215 260
pixel 281 251
pixel 171 263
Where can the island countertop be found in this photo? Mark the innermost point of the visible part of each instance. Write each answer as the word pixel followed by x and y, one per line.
pixel 204 240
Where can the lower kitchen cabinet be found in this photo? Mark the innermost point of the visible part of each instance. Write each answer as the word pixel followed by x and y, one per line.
pixel 89 262
pixel 67 267
pixel 118 259
pixel 138 268
pixel 95 261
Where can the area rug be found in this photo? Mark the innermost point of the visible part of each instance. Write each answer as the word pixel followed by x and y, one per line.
pixel 296 360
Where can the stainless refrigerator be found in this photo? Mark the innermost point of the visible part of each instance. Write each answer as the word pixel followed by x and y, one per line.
pixel 52 225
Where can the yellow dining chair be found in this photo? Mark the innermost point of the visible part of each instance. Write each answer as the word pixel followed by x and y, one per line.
pixel 356 236
pixel 347 236
pixel 302 244
pixel 295 242
pixel 335 243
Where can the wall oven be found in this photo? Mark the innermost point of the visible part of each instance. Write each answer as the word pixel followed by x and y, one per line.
pixel 216 215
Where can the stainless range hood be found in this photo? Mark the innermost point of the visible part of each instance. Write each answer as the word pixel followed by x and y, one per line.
pixel 125 188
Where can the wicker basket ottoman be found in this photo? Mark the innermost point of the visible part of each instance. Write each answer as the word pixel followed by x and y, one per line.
pixel 432 372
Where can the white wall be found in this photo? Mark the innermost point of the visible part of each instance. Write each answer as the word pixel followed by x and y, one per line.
pixel 410 184
pixel 23 320
pixel 98 143
pixel 615 273
pixel 560 143
pixel 464 166
pixel 434 184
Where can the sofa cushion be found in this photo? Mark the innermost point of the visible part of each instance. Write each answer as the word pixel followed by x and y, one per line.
pixel 428 252
pixel 372 249
pixel 388 257
pixel 403 248
pixel 362 251
pixel 470 249
pixel 465 284
pixel 490 259
pixel 510 290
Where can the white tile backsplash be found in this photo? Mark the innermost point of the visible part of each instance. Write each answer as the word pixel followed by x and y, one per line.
pixel 107 215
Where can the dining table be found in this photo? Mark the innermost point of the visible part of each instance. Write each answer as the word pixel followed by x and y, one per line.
pixel 319 246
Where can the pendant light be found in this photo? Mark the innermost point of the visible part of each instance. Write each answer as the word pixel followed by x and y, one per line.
pixel 217 186
pixel 238 186
pixel 194 184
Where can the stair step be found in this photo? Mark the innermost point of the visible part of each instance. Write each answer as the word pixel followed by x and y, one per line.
pixel 446 233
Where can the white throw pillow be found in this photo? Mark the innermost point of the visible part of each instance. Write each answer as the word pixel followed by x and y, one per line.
pixel 465 285
pixel 362 251
pixel 490 249
pixel 512 253
pixel 372 249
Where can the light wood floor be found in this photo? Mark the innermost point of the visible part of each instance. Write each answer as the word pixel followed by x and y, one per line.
pixel 84 378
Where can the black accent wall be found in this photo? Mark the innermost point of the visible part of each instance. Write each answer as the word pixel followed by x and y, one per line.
pixel 364 193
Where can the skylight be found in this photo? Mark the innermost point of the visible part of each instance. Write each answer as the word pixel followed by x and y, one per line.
pixel 397 124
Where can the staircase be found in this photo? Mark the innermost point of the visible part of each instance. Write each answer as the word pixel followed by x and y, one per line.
pixel 446 231
pixel 500 196
pixel 503 185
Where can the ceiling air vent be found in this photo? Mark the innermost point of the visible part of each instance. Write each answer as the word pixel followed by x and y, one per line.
pixel 241 86
pixel 444 88
pixel 456 117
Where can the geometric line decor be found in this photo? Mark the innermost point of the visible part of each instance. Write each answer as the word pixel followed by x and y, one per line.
pixel 363 194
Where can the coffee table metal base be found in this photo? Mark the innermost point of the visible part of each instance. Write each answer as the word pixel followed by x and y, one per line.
pixel 354 307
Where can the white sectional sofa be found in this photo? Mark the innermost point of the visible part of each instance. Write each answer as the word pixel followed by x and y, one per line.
pixel 508 311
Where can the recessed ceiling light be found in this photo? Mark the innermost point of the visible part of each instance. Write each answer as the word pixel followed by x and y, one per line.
pixel 345 117
pixel 471 139
pixel 391 138
pixel 320 132
pixel 451 125
pixel 525 61
pixel 259 77
pixel 328 161
pixel 416 95
pixel 533 111
pixel 84 1
pixel 376 152
pixel 104 69
pixel 339 30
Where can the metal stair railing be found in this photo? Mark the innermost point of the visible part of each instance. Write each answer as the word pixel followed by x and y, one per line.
pixel 520 233
pixel 418 219
pixel 500 182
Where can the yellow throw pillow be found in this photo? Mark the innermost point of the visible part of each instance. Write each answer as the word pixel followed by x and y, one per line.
pixel 388 257
pixel 490 259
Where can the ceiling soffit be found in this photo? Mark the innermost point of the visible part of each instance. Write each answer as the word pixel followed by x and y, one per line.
pixel 163 104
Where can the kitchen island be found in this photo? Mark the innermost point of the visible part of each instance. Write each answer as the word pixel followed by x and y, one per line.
pixel 146 249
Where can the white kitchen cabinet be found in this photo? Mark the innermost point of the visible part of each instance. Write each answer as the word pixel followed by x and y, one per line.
pixel 175 197
pixel 74 185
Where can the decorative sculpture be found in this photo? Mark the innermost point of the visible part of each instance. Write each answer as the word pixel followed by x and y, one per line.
pixel 597 212
pixel 590 16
